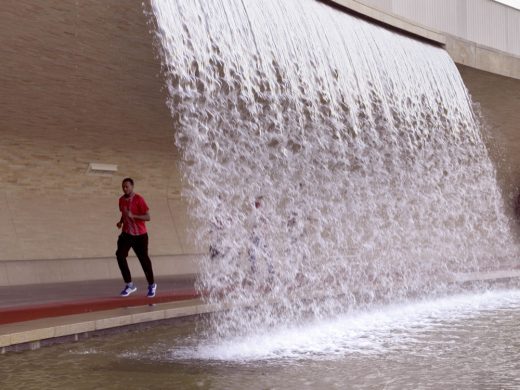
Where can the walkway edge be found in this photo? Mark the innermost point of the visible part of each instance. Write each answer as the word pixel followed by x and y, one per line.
pixel 34 334
pixel 64 308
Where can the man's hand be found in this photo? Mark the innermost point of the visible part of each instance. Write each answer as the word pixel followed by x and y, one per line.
pixel 119 224
pixel 130 215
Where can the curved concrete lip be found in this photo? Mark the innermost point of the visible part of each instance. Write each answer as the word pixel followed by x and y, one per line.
pixel 390 20
pixel 462 51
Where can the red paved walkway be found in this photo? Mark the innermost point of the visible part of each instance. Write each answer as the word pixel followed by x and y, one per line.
pixel 24 303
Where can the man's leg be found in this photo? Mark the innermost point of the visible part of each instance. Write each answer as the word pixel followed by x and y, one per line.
pixel 124 243
pixel 141 250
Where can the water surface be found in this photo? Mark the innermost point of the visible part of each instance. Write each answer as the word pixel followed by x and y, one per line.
pixel 463 342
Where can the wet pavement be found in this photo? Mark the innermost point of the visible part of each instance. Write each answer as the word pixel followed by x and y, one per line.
pixel 23 303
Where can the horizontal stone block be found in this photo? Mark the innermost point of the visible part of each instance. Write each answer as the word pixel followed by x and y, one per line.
pixel 5 340
pixel 32 335
pixel 153 315
pixel 393 20
pixel 76 328
pixel 461 51
pixel 180 312
pixel 114 322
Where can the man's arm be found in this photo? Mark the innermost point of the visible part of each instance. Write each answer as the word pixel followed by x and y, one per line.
pixel 142 217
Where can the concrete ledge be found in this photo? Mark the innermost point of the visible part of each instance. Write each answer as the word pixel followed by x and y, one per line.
pixel 481 57
pixel 391 20
pixel 34 334
pixel 24 272
pixel 461 51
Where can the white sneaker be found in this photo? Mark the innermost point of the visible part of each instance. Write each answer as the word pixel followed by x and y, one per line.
pixel 128 290
pixel 151 290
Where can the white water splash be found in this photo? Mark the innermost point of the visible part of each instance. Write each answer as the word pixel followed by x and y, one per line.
pixel 378 331
pixel 376 183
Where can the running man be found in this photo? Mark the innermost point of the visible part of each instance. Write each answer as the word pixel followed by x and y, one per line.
pixel 134 214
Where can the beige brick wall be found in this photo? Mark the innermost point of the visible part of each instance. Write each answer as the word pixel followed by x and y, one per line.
pixel 80 84
pixel 499 100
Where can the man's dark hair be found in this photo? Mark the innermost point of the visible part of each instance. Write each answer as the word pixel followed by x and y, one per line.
pixel 128 179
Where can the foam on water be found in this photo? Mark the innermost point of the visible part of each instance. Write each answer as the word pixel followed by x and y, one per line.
pixel 378 331
pixel 363 143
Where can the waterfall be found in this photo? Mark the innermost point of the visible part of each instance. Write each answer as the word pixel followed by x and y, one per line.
pixel 330 163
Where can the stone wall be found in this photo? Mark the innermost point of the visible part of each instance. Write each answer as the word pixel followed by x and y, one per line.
pixel 80 84
pixel 499 100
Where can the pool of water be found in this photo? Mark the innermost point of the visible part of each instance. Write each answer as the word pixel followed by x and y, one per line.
pixel 467 341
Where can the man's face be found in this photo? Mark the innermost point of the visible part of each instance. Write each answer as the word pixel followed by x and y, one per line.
pixel 128 188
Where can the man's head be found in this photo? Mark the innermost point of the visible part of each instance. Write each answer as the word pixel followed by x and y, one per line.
pixel 128 186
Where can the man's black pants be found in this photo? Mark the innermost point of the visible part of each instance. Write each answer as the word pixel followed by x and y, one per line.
pixel 140 246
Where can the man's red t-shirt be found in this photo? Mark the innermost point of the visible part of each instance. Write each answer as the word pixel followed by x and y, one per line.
pixel 137 205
